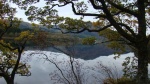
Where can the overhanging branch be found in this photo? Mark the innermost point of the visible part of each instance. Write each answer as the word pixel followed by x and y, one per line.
pixel 122 8
pixel 85 29
pixel 115 24
pixel 74 10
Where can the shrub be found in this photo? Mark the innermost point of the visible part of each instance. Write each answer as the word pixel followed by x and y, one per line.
pixel 122 80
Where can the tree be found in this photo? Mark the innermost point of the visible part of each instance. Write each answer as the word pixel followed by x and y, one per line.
pixel 7 18
pixel 10 57
pixel 129 18
pixel 11 47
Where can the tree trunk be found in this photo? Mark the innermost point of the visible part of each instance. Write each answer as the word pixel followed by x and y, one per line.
pixel 142 74
pixel 10 81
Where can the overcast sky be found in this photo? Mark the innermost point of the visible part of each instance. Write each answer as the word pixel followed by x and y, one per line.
pixel 65 11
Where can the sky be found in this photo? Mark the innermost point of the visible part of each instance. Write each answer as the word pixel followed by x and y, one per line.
pixel 41 69
pixel 65 11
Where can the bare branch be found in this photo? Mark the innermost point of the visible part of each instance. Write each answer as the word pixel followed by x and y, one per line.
pixel 56 67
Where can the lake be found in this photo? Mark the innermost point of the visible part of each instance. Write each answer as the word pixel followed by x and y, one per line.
pixel 42 70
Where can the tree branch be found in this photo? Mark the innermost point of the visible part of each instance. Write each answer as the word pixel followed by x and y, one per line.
pixel 85 29
pixel 128 28
pixel 10 48
pixel 20 50
pixel 74 10
pixel 4 74
pixel 85 14
pixel 7 28
pixel 1 71
pixel 95 6
pixel 56 67
pixel 123 9
pixel 72 69
pixel 115 24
